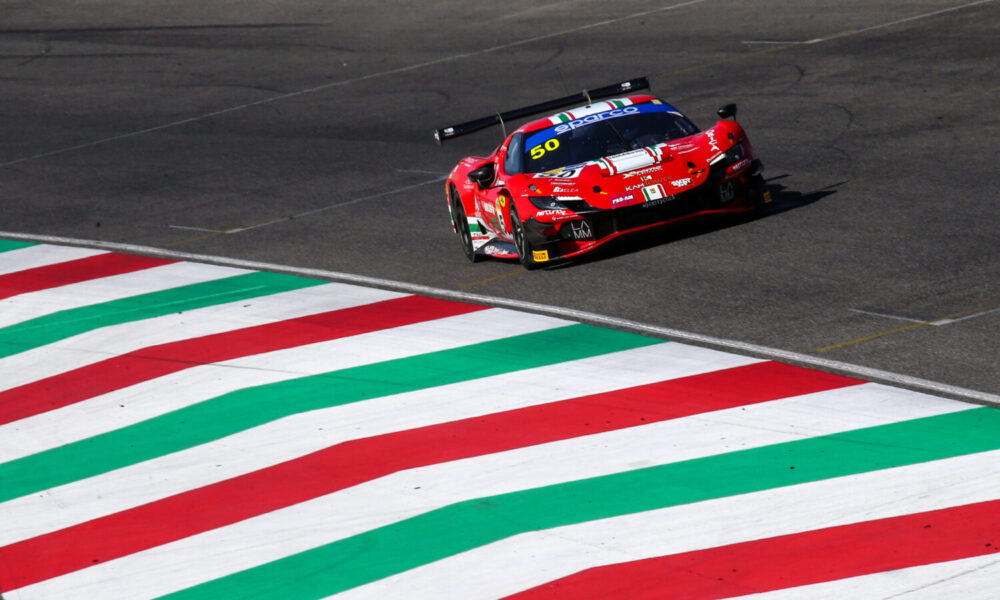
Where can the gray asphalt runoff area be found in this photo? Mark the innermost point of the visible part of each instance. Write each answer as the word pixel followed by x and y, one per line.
pixel 299 133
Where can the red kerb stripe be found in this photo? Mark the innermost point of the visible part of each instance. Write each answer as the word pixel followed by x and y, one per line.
pixel 74 271
pixel 792 560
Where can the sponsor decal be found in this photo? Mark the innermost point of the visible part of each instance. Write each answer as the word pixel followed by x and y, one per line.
pixel 540 255
pixel 488 207
pixel 645 171
pixel 610 114
pixel 681 182
pixel 581 230
pixel 554 216
pixel 681 148
pixel 657 202
pixel 727 191
pixel 623 200
pixel 642 185
pixel 740 165
pixel 565 173
pixel 559 189
pixel 711 140
pixel 491 250
pixel 654 192
pixel 767 197
pixel 567 121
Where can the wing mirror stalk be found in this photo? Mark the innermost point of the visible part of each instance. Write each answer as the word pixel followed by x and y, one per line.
pixel 727 111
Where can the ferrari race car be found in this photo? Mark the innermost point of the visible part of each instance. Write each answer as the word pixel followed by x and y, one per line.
pixel 562 185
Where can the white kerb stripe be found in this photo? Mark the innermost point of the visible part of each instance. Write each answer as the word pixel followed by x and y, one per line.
pixel 105 289
pixel 43 255
pixel 106 342
pixel 406 494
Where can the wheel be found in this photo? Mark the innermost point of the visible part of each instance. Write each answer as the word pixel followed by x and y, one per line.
pixel 462 225
pixel 524 250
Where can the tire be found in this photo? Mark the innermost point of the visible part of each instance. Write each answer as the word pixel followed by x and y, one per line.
pixel 462 225
pixel 522 244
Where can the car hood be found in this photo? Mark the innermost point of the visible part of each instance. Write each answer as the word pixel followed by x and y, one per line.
pixel 639 175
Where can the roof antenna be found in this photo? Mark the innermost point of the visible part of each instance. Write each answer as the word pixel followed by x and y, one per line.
pixel 587 94
pixel 502 125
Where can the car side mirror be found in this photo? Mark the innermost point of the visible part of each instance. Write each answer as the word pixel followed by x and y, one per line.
pixel 483 176
pixel 726 111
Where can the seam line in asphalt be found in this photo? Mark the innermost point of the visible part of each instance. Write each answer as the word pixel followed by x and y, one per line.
pixel 343 82
pixel 453 57
pixel 871 374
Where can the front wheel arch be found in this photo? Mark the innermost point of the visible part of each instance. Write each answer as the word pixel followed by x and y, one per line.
pixel 521 243
pixel 461 223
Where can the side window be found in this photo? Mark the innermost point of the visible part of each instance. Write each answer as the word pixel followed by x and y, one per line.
pixel 513 163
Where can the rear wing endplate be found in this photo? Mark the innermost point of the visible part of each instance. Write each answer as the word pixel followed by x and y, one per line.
pixel 586 96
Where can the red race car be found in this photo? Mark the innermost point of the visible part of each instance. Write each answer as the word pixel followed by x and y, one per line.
pixel 560 186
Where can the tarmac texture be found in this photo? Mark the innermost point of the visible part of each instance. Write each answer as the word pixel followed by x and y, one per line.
pixel 299 133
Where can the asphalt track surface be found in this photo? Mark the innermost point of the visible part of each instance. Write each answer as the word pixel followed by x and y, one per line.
pixel 299 133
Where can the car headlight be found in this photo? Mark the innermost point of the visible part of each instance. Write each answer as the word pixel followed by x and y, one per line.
pixel 546 203
pixel 734 154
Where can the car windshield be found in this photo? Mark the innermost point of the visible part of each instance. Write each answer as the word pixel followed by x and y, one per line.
pixel 603 134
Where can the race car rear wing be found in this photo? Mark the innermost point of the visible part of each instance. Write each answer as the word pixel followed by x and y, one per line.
pixel 586 96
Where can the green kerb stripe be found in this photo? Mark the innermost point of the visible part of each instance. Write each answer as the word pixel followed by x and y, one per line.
pixel 6 245
pixel 460 527
pixel 67 323
pixel 230 413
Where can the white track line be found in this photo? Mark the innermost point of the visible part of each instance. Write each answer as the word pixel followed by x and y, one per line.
pixel 344 82
pixel 446 59
pixel 896 22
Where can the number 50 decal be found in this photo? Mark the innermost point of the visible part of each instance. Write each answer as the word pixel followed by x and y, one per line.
pixel 539 150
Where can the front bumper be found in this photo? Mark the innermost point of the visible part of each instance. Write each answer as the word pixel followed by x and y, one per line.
pixel 737 194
